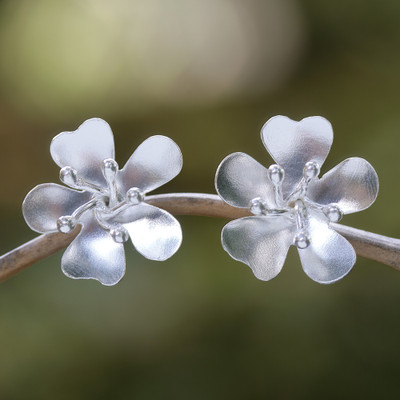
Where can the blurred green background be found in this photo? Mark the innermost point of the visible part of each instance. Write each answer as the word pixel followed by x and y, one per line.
pixel 208 74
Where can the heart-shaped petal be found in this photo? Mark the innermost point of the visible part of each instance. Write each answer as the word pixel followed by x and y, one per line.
pixel 94 254
pixel 85 149
pixel 294 143
pixel 260 242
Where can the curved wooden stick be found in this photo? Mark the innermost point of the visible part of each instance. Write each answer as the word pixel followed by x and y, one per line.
pixel 369 245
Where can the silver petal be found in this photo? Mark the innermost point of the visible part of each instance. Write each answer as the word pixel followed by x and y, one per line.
pixel 292 144
pixel 155 162
pixel 47 202
pixel 329 257
pixel 154 232
pixel 94 255
pixel 85 149
pixel 352 185
pixel 240 178
pixel 260 242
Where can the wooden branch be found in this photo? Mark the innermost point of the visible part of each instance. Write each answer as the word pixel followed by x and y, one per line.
pixel 369 245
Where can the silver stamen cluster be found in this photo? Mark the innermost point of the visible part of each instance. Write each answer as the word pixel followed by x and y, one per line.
pixel 297 204
pixel 105 203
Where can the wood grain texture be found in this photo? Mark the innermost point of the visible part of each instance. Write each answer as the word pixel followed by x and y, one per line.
pixel 369 245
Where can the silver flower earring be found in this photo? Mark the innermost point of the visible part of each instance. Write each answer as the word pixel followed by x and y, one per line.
pixel 291 205
pixel 109 203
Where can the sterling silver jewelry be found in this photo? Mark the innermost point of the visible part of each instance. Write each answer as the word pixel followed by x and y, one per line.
pixel 109 203
pixel 290 204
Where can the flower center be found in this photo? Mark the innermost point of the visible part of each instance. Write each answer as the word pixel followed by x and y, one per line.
pixel 297 204
pixel 105 203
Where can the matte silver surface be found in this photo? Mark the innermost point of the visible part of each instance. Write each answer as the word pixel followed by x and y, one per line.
pixel 260 242
pixel 94 255
pixel 329 257
pixel 85 149
pixel 240 178
pixel 155 233
pixel 47 202
pixel 155 162
pixel 294 143
pixel 352 185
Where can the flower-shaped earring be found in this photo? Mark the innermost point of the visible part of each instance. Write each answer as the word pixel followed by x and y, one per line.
pixel 109 203
pixel 291 205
